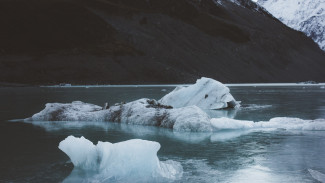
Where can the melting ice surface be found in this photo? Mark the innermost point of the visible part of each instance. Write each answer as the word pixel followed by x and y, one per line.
pixel 129 160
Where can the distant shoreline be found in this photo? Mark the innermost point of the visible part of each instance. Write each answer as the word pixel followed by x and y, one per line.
pixel 175 85
pixel 3 84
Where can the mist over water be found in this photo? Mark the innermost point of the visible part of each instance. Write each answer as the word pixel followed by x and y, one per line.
pixel 31 152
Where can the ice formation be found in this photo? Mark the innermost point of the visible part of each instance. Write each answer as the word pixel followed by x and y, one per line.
pixel 274 123
pixel 206 93
pixel 151 113
pixel 141 112
pixel 180 110
pixel 111 161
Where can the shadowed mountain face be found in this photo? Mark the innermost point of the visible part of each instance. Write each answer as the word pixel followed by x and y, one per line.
pixel 150 41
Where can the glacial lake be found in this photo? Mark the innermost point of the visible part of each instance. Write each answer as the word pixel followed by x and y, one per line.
pixel 29 151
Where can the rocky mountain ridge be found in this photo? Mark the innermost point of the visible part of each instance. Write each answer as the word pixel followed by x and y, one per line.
pixel 150 41
pixel 307 16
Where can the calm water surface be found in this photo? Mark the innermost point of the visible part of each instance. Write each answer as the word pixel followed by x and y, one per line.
pixel 29 152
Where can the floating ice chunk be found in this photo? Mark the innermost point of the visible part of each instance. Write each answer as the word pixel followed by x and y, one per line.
pixel 151 113
pixel 206 93
pixel 317 175
pixel 108 161
pixel 141 112
pixel 274 123
pixel 295 124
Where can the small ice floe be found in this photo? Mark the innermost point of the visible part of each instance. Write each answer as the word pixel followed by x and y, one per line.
pixel 322 87
pixel 206 93
pixel 317 175
pixel 134 159
pixel 163 90
pixel 274 123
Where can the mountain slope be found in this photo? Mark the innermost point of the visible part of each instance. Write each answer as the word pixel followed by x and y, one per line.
pixel 150 41
pixel 307 16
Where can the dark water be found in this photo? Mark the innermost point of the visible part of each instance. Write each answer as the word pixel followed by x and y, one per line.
pixel 29 152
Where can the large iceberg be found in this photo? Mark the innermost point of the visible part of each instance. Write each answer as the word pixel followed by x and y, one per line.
pixel 151 113
pixel 140 112
pixel 206 93
pixel 180 110
pixel 110 161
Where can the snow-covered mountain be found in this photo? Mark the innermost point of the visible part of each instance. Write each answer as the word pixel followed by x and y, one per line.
pixel 249 4
pixel 307 16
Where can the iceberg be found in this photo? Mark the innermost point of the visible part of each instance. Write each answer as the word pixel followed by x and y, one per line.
pixel 151 113
pixel 107 161
pixel 180 110
pixel 140 112
pixel 206 93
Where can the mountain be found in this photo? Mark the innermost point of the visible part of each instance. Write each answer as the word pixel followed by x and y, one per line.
pixel 150 41
pixel 307 16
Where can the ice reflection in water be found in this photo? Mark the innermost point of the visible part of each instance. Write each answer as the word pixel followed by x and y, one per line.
pixel 142 131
